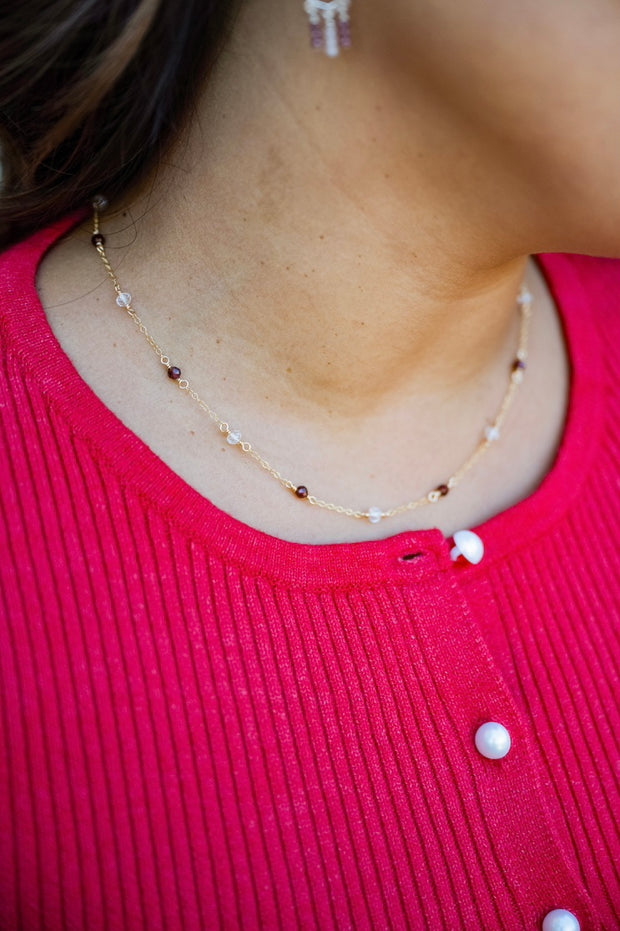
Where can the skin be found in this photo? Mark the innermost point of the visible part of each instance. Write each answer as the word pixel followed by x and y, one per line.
pixel 344 240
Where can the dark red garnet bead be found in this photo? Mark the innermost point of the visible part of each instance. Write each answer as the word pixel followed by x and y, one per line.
pixel 98 239
pixel 174 372
pixel 443 490
pixel 301 491
pixel 518 364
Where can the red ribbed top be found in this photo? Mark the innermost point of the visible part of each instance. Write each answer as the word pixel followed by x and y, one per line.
pixel 205 727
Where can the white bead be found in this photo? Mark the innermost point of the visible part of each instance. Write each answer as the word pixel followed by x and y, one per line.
pixel 517 376
pixel 375 515
pixel 312 12
pixel 491 433
pixel 124 299
pixel 332 49
pixel 467 544
pixel 493 741
pixel 525 298
pixel 233 437
pixel 560 920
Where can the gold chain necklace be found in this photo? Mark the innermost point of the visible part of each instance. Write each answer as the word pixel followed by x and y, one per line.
pixel 490 434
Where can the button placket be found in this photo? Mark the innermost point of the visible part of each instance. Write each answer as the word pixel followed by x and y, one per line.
pixel 465 675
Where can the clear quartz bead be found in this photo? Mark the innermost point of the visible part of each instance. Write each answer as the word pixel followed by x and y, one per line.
pixel 233 437
pixel 491 433
pixel 374 515
pixel 124 299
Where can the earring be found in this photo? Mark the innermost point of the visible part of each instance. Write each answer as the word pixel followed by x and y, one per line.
pixel 329 25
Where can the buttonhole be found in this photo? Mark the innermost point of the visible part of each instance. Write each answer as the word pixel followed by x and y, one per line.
pixel 409 557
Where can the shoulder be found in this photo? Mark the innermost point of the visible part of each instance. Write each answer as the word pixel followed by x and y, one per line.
pixel 19 263
pixel 598 278
pixel 587 292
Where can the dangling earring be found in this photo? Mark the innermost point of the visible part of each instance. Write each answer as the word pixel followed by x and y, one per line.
pixel 329 25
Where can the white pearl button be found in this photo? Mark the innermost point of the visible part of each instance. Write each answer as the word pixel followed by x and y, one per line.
pixel 467 544
pixel 560 920
pixel 493 741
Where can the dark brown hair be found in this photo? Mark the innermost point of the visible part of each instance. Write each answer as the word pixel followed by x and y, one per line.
pixel 91 91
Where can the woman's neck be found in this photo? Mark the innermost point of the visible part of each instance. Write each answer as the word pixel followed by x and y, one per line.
pixel 330 230
pixel 336 262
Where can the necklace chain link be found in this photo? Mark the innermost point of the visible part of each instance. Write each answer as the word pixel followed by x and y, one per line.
pixel 490 435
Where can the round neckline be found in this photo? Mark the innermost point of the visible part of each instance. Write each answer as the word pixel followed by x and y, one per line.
pixel 200 520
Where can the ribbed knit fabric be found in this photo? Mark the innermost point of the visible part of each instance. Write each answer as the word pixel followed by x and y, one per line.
pixel 204 727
